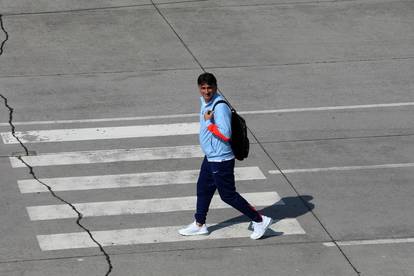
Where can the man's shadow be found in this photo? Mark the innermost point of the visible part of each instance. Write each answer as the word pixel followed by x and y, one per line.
pixel 293 207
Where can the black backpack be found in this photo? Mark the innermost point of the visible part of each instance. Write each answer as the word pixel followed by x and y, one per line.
pixel 239 141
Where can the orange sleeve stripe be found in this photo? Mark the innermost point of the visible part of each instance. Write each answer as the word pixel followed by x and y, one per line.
pixel 214 129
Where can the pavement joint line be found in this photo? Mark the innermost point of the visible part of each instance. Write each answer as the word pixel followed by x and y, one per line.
pixel 310 63
pixel 49 259
pixel 177 35
pixel 194 115
pixel 209 67
pixel 333 241
pixel 74 10
pixel 131 252
pixel 90 73
pixel 31 172
pixel 93 9
pixel 185 45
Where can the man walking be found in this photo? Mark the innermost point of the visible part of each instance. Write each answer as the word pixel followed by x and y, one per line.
pixel 217 169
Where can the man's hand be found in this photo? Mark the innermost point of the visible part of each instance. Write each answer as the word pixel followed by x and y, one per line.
pixel 208 115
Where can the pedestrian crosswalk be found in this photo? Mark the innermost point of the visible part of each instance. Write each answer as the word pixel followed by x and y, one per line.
pixel 105 183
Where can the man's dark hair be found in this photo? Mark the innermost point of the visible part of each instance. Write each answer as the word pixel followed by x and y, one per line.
pixel 207 78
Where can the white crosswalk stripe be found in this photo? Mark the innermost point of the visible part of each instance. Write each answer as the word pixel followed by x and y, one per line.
pixel 102 183
pixel 84 134
pixel 108 156
pixel 127 180
pixel 159 234
pixel 141 206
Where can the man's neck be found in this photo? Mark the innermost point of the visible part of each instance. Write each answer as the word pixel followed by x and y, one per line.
pixel 212 99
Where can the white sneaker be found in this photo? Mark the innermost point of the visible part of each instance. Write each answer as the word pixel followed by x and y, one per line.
pixel 193 229
pixel 259 228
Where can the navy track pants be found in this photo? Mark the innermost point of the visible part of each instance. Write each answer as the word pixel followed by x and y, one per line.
pixel 220 176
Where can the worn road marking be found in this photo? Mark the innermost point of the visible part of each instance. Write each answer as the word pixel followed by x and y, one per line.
pixel 329 108
pixel 127 180
pixel 370 242
pixel 159 235
pixel 346 168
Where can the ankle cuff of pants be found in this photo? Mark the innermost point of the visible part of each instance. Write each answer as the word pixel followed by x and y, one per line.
pixel 200 219
pixel 258 218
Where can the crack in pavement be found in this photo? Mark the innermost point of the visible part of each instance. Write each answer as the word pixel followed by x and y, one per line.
pixel 5 32
pixel 31 170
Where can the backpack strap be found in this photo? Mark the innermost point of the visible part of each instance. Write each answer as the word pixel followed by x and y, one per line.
pixel 221 101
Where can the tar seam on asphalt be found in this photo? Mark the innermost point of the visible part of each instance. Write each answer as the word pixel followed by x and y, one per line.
pixel 211 67
pixel 31 171
pixel 267 154
pixel 176 34
pixel 100 8
pixel 306 205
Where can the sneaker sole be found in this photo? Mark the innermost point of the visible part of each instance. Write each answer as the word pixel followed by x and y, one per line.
pixel 267 227
pixel 194 234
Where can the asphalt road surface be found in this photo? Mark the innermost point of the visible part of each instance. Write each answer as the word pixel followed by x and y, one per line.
pixel 99 150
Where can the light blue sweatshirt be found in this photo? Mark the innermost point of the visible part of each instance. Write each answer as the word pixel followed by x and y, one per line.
pixel 215 133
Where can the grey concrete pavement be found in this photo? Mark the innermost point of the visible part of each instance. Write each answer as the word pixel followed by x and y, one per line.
pixel 299 259
pixel 91 41
pixel 290 34
pixel 370 201
pixel 106 95
pixel 76 60
pixel 383 259
pixel 126 94
pixel 46 6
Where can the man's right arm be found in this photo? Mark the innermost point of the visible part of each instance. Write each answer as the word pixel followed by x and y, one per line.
pixel 220 126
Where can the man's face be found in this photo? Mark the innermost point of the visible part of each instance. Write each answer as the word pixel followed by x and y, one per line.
pixel 207 91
